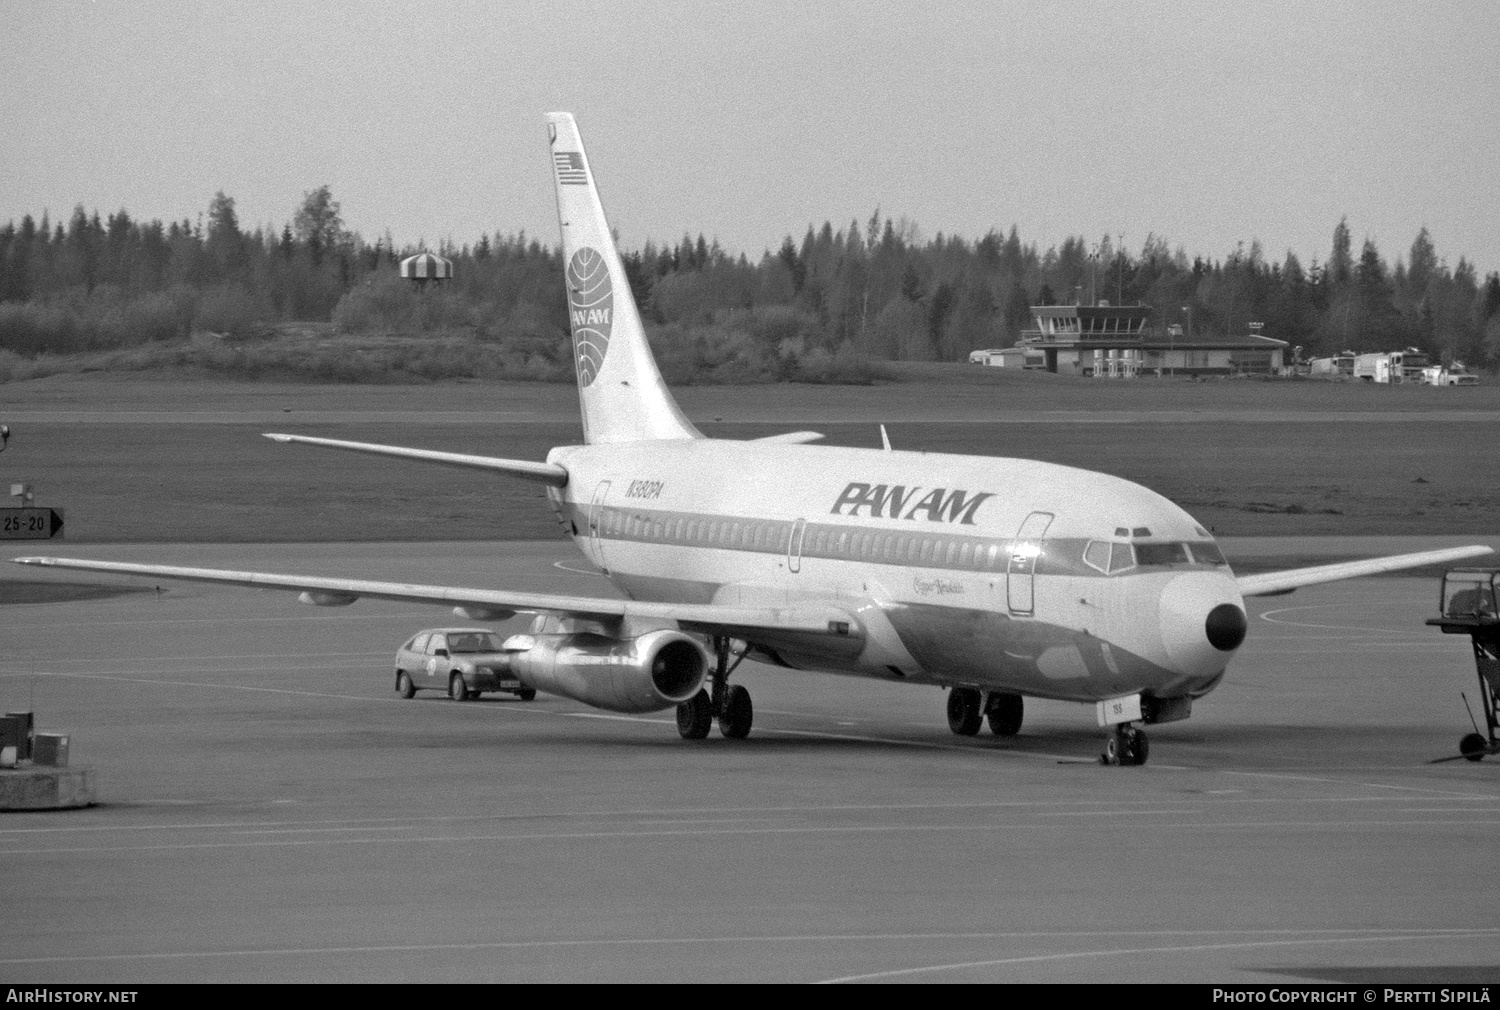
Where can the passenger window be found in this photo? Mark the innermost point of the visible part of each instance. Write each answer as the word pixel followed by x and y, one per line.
pixel 965 555
pixel 438 642
pixel 992 555
pixel 1121 557
pixel 419 643
pixel 952 557
pixel 1096 555
pixel 928 548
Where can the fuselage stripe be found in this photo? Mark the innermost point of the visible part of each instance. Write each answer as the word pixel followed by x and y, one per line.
pixel 869 545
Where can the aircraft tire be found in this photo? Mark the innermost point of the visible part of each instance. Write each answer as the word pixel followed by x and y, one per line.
pixel 404 687
pixel 695 717
pixel 965 710
pixel 457 689
pixel 738 714
pixel 1005 712
pixel 1473 746
pixel 526 694
pixel 1111 755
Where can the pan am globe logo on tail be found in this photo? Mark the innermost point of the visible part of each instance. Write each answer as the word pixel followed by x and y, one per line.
pixel 591 304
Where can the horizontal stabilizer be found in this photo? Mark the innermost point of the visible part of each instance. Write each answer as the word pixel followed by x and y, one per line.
pixel 809 618
pixel 542 473
pixel 1272 583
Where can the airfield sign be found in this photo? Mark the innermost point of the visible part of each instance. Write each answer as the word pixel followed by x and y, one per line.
pixel 30 523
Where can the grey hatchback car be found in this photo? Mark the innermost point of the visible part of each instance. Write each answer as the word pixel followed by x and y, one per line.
pixel 464 662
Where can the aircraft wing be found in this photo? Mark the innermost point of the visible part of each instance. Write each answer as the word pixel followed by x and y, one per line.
pixel 544 473
pixel 809 617
pixel 1275 583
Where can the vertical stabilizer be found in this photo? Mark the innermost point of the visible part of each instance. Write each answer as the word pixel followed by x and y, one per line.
pixel 619 388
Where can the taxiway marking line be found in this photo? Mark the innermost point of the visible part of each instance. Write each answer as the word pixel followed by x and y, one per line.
pixel 604 716
pixel 564 566
pixel 1269 618
pixel 357 823
pixel 858 829
pixel 1185 949
pixel 1294 935
pixel 1367 785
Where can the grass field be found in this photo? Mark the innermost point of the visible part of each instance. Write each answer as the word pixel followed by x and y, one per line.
pixel 1262 459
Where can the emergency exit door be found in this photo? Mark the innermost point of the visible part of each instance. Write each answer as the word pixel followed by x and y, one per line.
pixel 1020 571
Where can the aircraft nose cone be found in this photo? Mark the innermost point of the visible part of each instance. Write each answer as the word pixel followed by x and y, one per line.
pixel 1202 619
pixel 1225 627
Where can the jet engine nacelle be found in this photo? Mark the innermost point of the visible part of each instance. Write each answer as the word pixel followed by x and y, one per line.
pixel 646 674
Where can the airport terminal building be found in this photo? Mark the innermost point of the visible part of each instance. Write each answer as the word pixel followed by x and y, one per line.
pixel 1118 342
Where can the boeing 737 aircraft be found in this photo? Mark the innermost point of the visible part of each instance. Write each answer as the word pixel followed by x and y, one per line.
pixel 992 578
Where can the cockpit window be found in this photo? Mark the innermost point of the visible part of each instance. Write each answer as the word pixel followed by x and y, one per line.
pixel 1114 558
pixel 1207 554
pixel 1160 555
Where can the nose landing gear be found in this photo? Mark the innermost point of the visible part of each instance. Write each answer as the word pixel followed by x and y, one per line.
pixel 1127 745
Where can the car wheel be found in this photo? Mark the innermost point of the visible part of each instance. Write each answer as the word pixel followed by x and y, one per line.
pixel 457 689
pixel 404 687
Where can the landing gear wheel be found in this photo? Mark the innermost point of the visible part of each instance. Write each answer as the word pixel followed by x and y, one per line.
pixel 1111 754
pixel 965 710
pixel 1126 746
pixel 526 693
pixel 404 687
pixel 695 716
pixel 1005 712
pixel 1473 746
pixel 457 689
pixel 738 713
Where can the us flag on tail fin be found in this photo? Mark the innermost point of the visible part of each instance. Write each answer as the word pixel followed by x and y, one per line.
pixel 570 170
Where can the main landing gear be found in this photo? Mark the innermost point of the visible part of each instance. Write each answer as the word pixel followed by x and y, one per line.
pixel 730 705
pixel 1127 745
pixel 968 708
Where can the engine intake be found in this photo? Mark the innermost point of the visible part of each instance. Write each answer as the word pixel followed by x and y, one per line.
pixel 646 674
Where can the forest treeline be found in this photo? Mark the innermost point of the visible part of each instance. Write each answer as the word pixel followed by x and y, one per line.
pixel 818 309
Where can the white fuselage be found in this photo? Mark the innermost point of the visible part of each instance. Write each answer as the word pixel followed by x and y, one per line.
pixel 1005 574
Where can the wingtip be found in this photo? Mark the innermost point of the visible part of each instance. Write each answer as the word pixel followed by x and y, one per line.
pixel 276 436
pixel 30 561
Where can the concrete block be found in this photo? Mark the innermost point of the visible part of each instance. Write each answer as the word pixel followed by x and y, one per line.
pixel 46 788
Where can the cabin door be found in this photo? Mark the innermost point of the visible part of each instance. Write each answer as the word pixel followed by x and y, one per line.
pixel 1020 572
pixel 596 520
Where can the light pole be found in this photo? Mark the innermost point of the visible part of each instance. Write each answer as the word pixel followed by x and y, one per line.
pixel 1120 252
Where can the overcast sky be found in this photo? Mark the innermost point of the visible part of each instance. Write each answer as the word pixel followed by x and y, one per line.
pixel 1206 123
